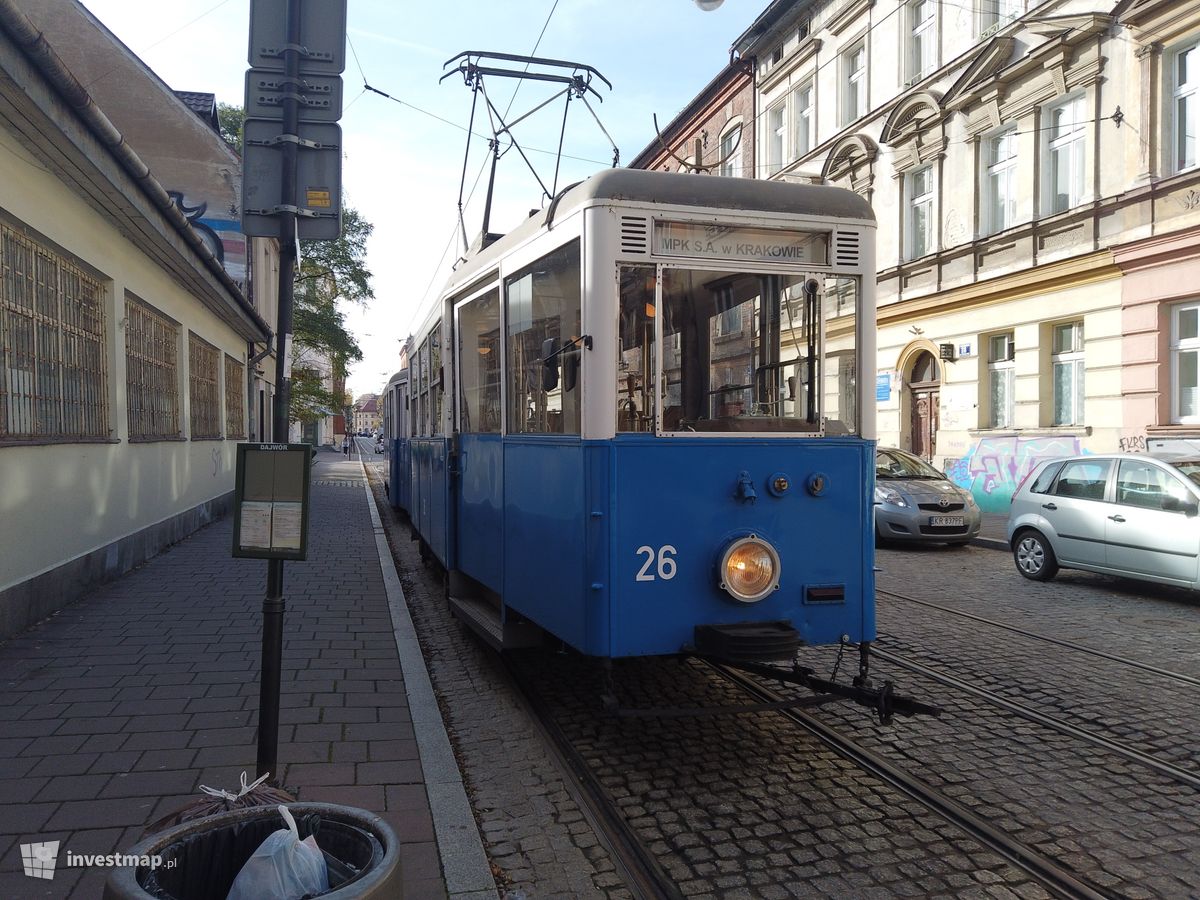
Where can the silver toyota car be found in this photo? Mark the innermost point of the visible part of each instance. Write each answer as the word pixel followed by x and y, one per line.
pixel 1123 514
pixel 915 503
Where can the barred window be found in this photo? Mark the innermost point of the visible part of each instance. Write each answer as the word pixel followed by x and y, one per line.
pixel 203 388
pixel 151 372
pixel 235 399
pixel 53 363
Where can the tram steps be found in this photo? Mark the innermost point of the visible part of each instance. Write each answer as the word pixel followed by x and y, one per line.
pixel 483 618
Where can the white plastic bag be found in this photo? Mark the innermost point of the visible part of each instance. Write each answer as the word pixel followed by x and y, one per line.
pixel 282 868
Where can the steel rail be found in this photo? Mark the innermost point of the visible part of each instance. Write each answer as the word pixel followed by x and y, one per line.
pixel 1025 712
pixel 643 874
pixel 1146 667
pixel 1059 881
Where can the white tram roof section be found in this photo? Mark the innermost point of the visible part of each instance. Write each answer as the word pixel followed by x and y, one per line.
pixel 678 190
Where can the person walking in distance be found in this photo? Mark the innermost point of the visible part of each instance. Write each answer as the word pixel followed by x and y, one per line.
pixel 346 446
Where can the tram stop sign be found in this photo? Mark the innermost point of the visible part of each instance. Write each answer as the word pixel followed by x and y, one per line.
pixel 270 501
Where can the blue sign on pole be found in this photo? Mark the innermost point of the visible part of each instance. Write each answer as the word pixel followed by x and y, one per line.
pixel 883 386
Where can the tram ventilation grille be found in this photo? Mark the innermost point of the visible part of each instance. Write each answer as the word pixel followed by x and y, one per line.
pixel 635 235
pixel 845 248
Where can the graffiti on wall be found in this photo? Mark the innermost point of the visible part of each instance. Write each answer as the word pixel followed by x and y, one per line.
pixel 222 236
pixel 996 465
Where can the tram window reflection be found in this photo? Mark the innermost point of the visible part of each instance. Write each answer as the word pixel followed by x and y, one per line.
pixel 750 356
pixel 543 303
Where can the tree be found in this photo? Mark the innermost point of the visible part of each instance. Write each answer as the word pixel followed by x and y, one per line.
pixel 231 119
pixel 310 399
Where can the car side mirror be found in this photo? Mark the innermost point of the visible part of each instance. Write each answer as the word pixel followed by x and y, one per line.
pixel 549 364
pixel 570 369
pixel 1185 505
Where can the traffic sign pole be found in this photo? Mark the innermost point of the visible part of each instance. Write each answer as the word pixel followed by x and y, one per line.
pixel 273 603
pixel 293 101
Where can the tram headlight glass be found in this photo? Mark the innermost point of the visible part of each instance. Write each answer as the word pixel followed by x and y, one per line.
pixel 750 569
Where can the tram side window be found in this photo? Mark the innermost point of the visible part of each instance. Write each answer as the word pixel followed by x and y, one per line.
pixel 479 364
pixel 423 389
pixel 636 403
pixel 436 381
pixel 543 306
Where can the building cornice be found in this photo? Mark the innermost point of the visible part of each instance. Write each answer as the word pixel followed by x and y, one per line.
pixel 1077 271
pixel 1157 249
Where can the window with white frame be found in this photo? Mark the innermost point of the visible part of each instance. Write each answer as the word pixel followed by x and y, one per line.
pixel 1064 155
pixel 995 14
pixel 1185 104
pixel 730 150
pixel 1001 375
pixel 802 115
pixel 919 189
pixel 922 39
pixel 854 84
pixel 1066 361
pixel 1185 363
pixel 776 134
pixel 999 181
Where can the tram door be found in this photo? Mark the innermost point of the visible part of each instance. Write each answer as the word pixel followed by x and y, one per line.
pixel 924 385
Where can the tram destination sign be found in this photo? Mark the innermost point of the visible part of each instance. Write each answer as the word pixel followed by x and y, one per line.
pixel 270 501
pixel 701 241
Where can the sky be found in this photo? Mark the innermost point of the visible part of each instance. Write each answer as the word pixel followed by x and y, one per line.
pixel 403 157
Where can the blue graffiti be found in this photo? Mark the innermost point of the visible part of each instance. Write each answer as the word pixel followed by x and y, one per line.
pixel 995 466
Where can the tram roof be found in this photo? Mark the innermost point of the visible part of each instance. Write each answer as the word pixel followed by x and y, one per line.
pixel 681 189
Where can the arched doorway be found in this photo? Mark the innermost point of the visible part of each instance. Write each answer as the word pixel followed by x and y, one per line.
pixel 923 381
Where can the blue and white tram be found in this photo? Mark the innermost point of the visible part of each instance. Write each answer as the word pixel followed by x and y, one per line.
pixel 643 421
pixel 395 437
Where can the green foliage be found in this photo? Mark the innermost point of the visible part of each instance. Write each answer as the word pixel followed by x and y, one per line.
pixel 231 119
pixel 309 400
pixel 339 267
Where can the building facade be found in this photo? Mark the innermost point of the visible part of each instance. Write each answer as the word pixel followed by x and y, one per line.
pixel 125 346
pixel 1033 169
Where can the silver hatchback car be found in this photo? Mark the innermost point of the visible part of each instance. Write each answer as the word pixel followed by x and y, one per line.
pixel 1124 514
pixel 915 503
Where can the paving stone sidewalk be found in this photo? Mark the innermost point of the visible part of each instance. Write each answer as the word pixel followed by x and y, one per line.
pixel 118 708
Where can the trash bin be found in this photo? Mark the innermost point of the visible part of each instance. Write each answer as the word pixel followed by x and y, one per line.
pixel 200 859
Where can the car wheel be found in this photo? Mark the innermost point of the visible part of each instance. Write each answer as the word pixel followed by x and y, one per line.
pixel 1033 556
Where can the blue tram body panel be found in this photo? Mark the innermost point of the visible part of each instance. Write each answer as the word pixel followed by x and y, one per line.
pixel 431 512
pixel 675 508
pixel 544 536
pixel 480 508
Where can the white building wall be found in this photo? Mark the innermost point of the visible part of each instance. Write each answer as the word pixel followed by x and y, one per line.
pixel 66 500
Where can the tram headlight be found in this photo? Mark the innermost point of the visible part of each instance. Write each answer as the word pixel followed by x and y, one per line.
pixel 750 569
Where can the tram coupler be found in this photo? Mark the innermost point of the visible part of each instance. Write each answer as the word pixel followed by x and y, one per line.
pixel 883 701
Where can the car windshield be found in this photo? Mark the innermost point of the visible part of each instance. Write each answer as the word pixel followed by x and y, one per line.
pixel 897 464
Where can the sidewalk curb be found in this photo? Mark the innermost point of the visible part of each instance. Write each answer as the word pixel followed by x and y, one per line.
pixel 464 862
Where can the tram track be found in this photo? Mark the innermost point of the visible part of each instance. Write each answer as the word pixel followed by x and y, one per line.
pixel 1132 754
pixel 1070 645
pixel 643 874
pixel 1046 871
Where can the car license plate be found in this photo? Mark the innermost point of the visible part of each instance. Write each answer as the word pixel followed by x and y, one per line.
pixel 946 521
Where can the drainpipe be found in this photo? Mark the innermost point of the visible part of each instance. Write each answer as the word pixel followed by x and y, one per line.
pixel 252 360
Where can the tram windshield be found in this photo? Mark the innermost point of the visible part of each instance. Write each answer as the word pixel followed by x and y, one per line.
pixel 742 352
